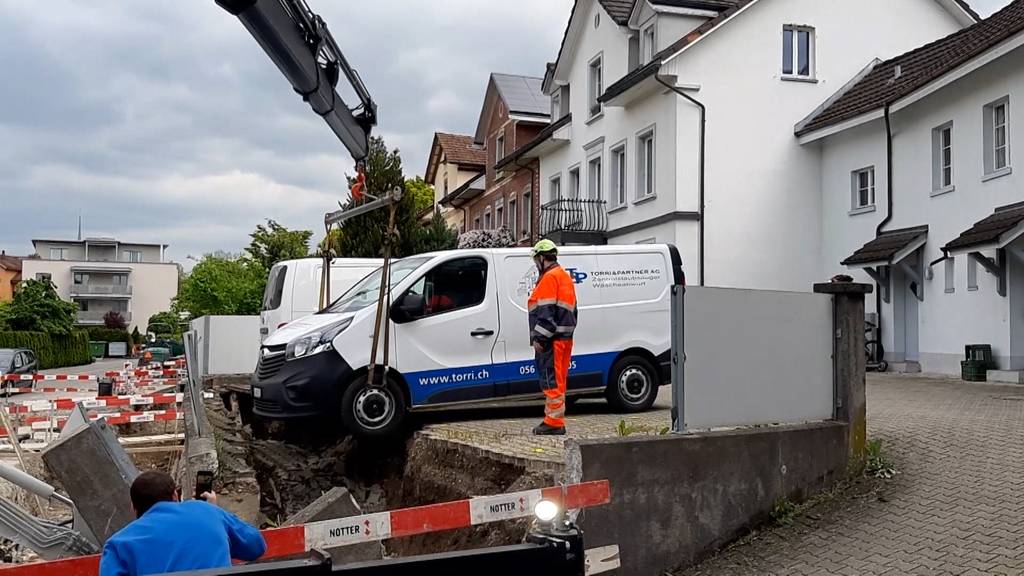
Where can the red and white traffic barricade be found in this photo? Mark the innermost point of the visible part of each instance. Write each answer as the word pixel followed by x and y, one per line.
pixel 161 373
pixel 293 540
pixel 44 405
pixel 42 424
pixel 46 377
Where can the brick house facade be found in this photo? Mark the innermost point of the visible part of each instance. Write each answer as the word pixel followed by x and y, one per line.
pixel 514 112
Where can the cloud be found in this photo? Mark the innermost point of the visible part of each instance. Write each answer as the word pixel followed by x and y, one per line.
pixel 167 123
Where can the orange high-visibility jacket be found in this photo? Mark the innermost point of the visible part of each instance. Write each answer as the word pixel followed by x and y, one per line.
pixel 552 307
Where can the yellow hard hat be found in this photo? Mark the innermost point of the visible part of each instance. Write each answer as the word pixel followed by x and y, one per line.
pixel 545 246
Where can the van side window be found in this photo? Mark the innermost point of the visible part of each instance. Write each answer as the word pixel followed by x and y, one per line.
pixel 452 285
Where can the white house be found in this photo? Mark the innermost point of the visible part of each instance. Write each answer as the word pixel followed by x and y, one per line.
pixel 101 275
pixel 742 200
pixel 943 241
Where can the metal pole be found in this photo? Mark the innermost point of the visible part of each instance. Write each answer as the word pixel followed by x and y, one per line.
pixel 678 361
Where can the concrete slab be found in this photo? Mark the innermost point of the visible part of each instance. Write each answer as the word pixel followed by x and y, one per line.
pixel 905 367
pixel 1006 376
pixel 338 503
pixel 96 473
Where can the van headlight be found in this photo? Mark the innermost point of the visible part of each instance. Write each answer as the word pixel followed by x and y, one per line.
pixel 315 342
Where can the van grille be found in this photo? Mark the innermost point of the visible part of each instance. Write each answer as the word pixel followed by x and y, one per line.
pixel 266 406
pixel 270 363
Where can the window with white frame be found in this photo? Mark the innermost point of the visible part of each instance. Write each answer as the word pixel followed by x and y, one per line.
pixel 499 147
pixel 487 219
pixel 44 276
pixel 528 212
pixel 798 51
pixel 950 275
pixel 595 178
pixel 513 216
pixel 997 137
pixel 555 187
pixel 499 213
pixel 618 175
pixel 942 158
pixel 131 256
pixel 596 85
pixel 59 253
pixel 648 43
pixel 645 154
pixel 574 182
pixel 863 182
pixel 972 274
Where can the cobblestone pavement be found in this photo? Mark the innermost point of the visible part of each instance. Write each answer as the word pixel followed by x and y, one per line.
pixel 956 507
pixel 508 432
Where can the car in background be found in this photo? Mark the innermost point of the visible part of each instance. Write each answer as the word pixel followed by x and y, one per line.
pixel 18 361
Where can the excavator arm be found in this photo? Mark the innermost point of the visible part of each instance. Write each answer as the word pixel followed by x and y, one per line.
pixel 301 46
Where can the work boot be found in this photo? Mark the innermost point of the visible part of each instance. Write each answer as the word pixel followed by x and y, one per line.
pixel 546 430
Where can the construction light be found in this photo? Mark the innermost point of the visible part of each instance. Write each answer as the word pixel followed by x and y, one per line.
pixel 546 511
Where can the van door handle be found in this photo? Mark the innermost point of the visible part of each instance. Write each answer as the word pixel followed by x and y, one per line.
pixel 481 333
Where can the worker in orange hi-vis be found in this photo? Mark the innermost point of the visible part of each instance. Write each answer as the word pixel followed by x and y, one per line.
pixel 552 323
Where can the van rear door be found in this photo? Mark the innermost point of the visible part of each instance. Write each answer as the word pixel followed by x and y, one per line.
pixel 272 312
pixel 445 330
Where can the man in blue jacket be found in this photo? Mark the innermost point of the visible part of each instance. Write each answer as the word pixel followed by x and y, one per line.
pixel 173 536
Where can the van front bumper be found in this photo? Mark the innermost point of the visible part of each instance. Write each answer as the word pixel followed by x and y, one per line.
pixel 303 387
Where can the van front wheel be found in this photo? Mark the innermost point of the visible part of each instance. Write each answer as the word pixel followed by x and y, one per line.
pixel 372 411
pixel 633 386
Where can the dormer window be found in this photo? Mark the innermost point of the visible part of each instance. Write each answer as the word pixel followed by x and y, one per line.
pixel 798 52
pixel 648 43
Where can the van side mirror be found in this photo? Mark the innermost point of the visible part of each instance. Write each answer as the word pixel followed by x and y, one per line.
pixel 408 308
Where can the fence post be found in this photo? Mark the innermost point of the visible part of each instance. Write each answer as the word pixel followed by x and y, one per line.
pixel 849 361
pixel 678 362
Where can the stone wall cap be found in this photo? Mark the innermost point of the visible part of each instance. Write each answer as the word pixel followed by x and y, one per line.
pixel 843 288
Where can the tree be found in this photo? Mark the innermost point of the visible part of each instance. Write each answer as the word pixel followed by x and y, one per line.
pixel 220 285
pixel 114 321
pixel 363 236
pixel 166 323
pixel 422 193
pixel 36 307
pixel 436 235
pixel 136 336
pixel 272 243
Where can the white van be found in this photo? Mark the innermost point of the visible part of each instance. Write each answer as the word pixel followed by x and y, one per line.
pixel 293 288
pixel 460 336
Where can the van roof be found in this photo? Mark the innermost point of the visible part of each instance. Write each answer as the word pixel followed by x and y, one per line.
pixel 337 262
pixel 607 249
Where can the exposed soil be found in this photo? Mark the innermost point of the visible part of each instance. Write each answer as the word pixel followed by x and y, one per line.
pixel 293 465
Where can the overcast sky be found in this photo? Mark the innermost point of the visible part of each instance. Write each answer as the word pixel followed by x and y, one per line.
pixel 165 122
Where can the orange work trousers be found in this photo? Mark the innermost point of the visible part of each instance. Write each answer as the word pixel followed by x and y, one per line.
pixel 553 369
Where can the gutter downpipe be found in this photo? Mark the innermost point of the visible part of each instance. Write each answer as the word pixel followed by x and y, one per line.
pixel 888 214
pixel 700 181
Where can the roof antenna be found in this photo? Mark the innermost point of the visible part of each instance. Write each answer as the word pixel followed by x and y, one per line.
pixel 79 224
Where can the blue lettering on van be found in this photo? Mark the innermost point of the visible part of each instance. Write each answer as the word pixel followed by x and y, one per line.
pixel 426 383
pixel 577 276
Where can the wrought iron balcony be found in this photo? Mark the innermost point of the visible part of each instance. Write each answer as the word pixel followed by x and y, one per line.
pixel 574 221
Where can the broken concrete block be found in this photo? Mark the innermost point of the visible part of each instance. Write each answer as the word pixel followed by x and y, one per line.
pixel 96 474
pixel 338 503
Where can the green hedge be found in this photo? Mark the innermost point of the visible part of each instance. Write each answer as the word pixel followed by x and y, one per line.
pixel 53 351
pixel 101 334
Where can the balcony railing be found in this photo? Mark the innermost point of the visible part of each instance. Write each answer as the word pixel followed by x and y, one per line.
pixel 96 316
pixel 101 289
pixel 573 215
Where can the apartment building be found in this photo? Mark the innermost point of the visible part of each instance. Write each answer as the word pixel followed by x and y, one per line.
pixel 104 274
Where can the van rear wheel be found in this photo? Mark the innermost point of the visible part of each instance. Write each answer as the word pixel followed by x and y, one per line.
pixel 373 411
pixel 633 386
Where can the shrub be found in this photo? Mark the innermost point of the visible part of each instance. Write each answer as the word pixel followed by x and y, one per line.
pixel 53 351
pixel 114 320
pixel 101 334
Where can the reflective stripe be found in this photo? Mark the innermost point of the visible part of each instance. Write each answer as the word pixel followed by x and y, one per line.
pixel 565 329
pixel 545 302
pixel 566 305
pixel 543 331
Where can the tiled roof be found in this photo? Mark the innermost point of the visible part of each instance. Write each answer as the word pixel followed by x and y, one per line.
pixel 919 67
pixel 10 262
pixel 459 149
pixel 885 246
pixel 638 75
pixel 619 10
pixel 989 230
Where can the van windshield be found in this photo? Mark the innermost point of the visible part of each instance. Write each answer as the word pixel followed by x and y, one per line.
pixel 367 291
pixel 275 288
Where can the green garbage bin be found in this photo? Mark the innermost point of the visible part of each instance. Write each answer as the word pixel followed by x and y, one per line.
pixel 98 349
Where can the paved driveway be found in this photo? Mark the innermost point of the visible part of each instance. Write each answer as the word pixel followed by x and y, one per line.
pixel 957 506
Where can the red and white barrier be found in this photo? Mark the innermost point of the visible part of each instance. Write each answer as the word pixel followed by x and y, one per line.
pixel 96 402
pixel 169 373
pixel 293 540
pixel 42 423
pixel 38 377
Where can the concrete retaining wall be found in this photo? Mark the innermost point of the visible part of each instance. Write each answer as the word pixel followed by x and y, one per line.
pixel 675 499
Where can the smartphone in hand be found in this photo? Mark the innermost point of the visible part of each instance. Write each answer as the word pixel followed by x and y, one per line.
pixel 204 483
